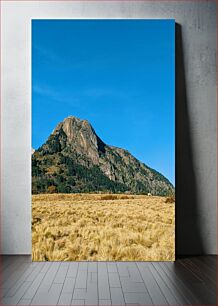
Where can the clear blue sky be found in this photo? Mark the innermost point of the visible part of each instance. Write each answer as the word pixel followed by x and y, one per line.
pixel 118 74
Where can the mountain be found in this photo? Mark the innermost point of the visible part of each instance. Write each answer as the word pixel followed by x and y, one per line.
pixel 74 159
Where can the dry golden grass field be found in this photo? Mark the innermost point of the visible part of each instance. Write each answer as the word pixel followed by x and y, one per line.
pixel 102 227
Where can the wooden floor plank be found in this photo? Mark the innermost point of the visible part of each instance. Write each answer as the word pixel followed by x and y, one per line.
pixel 48 298
pixel 73 268
pixel 24 302
pixel 181 293
pixel 81 279
pixel 103 282
pixel 31 291
pixel 24 277
pixel 12 268
pixel 151 284
pixel 122 268
pixel 204 271
pixel 14 276
pixel 5 262
pixel 69 285
pixel 190 280
pixel 61 273
pixel 141 298
pixel 18 295
pixel 49 277
pixel 65 299
pixel 134 272
pixel 117 296
pixel 197 287
pixel 78 302
pixel 166 290
pixel 114 280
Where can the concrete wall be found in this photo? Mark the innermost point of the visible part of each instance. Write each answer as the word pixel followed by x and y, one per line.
pixel 196 113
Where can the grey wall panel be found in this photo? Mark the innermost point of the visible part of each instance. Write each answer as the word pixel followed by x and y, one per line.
pixel 196 112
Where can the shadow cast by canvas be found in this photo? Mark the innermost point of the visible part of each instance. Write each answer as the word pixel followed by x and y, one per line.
pixel 188 234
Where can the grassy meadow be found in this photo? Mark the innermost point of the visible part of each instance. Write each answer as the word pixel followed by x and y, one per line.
pixel 102 227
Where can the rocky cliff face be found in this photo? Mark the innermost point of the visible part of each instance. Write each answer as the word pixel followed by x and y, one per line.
pixel 75 159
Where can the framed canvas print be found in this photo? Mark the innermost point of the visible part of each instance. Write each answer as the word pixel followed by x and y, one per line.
pixel 103 140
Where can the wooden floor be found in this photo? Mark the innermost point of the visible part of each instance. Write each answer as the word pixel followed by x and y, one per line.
pixel 188 281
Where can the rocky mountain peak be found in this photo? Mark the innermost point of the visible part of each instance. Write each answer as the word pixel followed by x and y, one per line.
pixel 71 125
pixel 79 136
pixel 75 128
pixel 76 155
